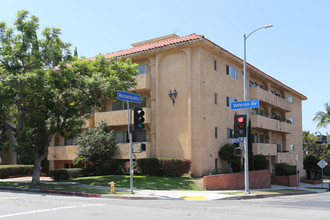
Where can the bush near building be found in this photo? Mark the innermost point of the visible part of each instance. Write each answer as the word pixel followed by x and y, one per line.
pixel 144 167
pixel 15 170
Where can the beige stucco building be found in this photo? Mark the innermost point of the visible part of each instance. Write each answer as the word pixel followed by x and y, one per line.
pixel 207 78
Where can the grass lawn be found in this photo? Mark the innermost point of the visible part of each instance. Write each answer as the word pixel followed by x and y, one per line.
pixel 60 188
pixel 266 191
pixel 144 182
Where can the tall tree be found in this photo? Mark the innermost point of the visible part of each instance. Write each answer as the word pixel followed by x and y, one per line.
pixel 323 117
pixel 43 90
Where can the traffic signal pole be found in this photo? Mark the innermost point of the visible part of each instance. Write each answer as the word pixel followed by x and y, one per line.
pixel 131 170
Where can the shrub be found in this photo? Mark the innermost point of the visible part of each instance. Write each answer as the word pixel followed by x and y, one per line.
pixel 260 162
pixel 311 167
pixel 227 153
pixel 108 167
pixel 64 174
pixel 175 167
pixel 285 170
pixel 149 167
pixel 15 170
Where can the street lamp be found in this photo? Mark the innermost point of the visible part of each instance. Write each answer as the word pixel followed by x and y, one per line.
pixel 246 152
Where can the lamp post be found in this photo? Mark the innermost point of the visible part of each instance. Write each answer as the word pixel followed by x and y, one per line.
pixel 246 152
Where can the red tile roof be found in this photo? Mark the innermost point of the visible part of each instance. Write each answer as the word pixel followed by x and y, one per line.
pixel 178 40
pixel 156 45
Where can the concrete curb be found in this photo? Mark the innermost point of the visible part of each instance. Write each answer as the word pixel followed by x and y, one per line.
pixel 107 196
pixel 260 196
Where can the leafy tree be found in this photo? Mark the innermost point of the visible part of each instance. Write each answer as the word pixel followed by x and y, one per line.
pixel 96 144
pixel 310 165
pixel 323 117
pixel 227 153
pixel 44 90
pixel 311 147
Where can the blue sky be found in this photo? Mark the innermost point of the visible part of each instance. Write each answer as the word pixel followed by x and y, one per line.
pixel 295 51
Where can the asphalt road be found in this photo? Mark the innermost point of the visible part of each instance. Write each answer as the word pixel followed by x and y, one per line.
pixel 21 205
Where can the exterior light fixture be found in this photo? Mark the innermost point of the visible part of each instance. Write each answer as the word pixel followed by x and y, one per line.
pixel 172 95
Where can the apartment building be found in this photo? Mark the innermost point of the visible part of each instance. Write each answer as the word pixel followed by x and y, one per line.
pixel 198 121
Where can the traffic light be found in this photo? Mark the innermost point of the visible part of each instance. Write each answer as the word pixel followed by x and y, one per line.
pixel 240 126
pixel 138 119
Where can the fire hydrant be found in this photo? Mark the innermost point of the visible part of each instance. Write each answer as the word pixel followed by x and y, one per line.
pixel 112 187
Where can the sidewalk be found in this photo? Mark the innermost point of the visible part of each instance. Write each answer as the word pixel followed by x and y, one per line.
pixel 176 195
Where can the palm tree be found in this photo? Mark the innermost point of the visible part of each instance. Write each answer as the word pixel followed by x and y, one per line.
pixel 323 117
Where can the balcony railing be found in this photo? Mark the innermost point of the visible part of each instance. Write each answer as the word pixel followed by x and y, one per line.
pixel 119 118
pixel 267 97
pixel 264 149
pixel 143 82
pixel 266 123
pixel 62 152
pixel 123 151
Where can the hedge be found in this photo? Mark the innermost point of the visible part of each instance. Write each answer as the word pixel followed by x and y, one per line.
pixel 64 174
pixel 15 170
pixel 175 167
pixel 149 167
pixel 285 170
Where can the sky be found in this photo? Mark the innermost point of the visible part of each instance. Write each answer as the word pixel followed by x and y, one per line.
pixel 295 51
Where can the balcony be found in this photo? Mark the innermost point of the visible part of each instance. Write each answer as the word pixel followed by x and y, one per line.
pixel 123 151
pixel 143 82
pixel 285 157
pixel 264 149
pixel 119 118
pixel 62 152
pixel 267 97
pixel 265 123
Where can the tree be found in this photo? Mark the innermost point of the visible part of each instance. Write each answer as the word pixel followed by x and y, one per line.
pixel 96 144
pixel 44 90
pixel 323 117
pixel 311 147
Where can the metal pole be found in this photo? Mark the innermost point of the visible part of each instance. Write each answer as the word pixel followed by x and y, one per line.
pixel 246 150
pixel 130 150
pixel 297 171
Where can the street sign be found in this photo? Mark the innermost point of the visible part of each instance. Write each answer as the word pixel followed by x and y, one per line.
pixel 130 97
pixel 322 163
pixel 236 140
pixel 245 104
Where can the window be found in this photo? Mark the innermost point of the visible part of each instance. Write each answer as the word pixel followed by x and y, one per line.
pixel 259 85
pixel 230 133
pixel 292 120
pixel 229 100
pixel 216 98
pixel 118 105
pixel 140 136
pixel 69 141
pixel 216 132
pixel 121 136
pixel 231 71
pixel 215 65
pixel 290 99
pixel 292 147
pixel 258 138
pixel 142 69
pixel 251 84
pixel 257 111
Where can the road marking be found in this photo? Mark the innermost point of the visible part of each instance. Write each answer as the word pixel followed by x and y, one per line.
pixel 47 210
pixel 193 197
